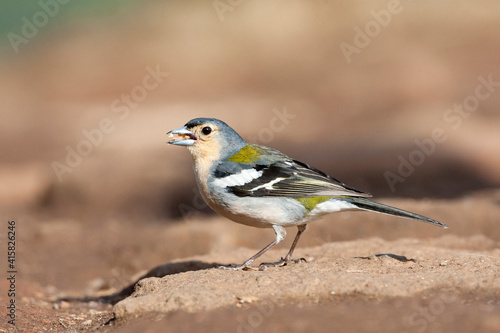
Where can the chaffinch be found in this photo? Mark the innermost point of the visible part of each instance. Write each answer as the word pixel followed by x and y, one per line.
pixel 262 187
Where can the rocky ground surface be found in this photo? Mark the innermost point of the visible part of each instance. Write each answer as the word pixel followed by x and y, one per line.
pixel 419 278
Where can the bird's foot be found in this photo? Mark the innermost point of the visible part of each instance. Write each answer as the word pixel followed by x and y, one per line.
pixel 247 265
pixel 281 262
pixel 241 267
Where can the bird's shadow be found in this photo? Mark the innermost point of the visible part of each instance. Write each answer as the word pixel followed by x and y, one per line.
pixel 389 255
pixel 159 271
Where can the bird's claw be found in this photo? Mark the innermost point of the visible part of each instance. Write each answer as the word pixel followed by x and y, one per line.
pixel 282 262
pixel 263 266
pixel 241 267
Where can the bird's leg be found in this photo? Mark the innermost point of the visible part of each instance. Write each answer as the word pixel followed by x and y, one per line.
pixel 280 235
pixel 288 258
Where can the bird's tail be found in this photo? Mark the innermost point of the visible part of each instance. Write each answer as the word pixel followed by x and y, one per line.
pixel 366 204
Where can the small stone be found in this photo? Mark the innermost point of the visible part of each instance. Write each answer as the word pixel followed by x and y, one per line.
pixel 93 312
pixel 247 299
pixel 97 284
pixel 64 305
pixel 87 322
pixel 93 304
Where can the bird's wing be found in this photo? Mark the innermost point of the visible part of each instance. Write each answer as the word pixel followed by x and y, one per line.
pixel 283 178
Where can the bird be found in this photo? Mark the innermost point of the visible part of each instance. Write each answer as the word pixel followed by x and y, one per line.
pixel 262 187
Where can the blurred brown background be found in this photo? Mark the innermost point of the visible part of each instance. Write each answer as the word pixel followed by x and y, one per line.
pixel 408 68
pixel 352 115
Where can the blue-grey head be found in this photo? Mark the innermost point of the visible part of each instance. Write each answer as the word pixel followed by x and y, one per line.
pixel 209 138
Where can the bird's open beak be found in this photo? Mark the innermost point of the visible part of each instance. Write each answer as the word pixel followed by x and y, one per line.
pixel 182 137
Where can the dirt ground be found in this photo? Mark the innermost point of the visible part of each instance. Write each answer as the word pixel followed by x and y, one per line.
pixel 112 234
pixel 421 279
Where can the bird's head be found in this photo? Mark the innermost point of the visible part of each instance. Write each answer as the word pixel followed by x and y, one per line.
pixel 209 138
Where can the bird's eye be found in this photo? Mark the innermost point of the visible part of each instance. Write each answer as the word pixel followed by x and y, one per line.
pixel 206 130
